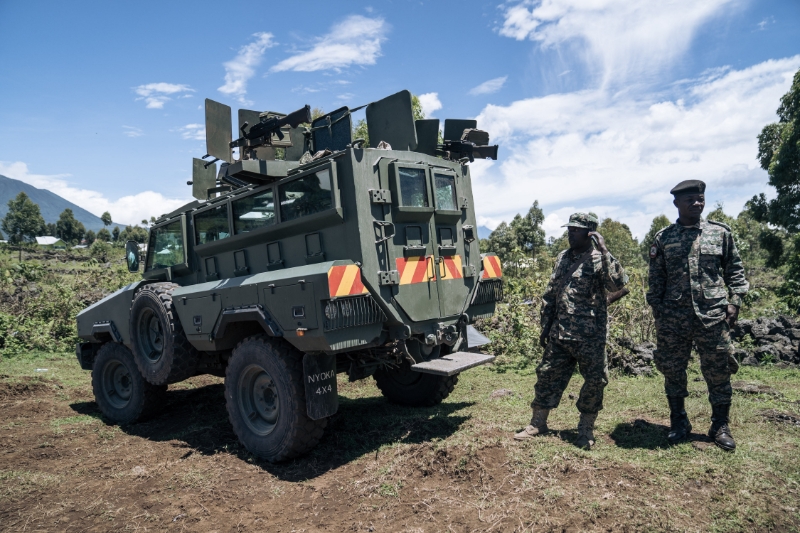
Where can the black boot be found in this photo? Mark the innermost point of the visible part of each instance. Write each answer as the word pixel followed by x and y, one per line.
pixel 680 427
pixel 720 431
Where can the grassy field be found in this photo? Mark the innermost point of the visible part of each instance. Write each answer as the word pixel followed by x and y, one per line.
pixel 380 467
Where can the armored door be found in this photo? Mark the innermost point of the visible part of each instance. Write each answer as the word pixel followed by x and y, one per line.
pixel 454 269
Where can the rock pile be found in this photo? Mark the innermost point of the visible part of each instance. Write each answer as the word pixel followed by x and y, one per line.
pixel 768 340
pixel 631 358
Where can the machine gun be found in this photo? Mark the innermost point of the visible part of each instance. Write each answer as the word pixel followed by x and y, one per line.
pixel 261 134
pixel 456 150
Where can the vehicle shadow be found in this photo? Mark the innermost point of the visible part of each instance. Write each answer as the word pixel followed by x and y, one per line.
pixel 198 418
pixel 648 435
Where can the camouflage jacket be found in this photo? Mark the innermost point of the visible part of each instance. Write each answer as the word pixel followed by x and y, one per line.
pixel 690 266
pixel 580 311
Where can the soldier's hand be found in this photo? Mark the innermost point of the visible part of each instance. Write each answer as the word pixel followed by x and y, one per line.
pixel 732 315
pixel 599 240
pixel 543 339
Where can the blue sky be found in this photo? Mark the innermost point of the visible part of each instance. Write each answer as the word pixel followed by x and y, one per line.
pixel 600 105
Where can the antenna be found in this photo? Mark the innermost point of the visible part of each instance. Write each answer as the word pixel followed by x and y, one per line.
pixel 218 131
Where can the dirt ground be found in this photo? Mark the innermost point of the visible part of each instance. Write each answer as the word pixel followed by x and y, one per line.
pixel 62 468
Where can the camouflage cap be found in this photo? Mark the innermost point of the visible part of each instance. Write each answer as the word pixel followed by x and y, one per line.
pixel 689 187
pixel 581 220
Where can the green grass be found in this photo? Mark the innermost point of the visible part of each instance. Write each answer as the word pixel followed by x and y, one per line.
pixel 631 476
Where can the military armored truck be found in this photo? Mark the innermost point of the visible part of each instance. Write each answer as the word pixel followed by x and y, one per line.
pixel 305 255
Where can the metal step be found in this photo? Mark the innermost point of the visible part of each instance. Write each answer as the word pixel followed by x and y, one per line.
pixel 452 363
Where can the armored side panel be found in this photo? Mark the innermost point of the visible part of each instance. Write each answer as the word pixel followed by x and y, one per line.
pixel 203 178
pixel 218 130
pixel 454 128
pixel 392 120
pixel 109 319
pixel 336 130
pixel 427 135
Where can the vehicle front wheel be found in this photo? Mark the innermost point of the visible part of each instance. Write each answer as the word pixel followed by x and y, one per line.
pixel 119 389
pixel 161 350
pixel 265 398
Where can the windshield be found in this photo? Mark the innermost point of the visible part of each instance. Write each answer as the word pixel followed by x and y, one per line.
pixel 413 188
pixel 165 247
pixel 445 191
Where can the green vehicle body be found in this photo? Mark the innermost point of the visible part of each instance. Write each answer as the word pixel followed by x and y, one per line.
pixel 356 260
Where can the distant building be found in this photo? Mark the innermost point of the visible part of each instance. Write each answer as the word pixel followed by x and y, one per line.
pixel 51 243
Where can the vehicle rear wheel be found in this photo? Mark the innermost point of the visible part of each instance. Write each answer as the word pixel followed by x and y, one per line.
pixel 119 389
pixel 160 348
pixel 416 389
pixel 265 398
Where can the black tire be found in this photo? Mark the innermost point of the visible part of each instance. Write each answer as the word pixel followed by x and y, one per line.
pixel 265 397
pixel 160 348
pixel 119 389
pixel 404 386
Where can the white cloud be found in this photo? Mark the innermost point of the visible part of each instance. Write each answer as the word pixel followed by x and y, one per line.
pixel 489 86
pixel 589 149
pixel 132 131
pixel 241 68
pixel 619 40
pixel 430 103
pixel 155 95
pixel 354 41
pixel 126 209
pixel 194 132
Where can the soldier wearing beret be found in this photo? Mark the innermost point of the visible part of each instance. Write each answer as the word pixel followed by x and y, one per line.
pixel 691 263
pixel 574 327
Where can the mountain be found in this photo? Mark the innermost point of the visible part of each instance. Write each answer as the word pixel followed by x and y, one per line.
pixel 51 205
pixel 484 232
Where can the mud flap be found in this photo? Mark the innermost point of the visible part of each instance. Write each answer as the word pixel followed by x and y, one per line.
pixel 319 375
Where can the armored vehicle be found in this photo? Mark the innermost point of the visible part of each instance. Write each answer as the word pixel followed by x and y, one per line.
pixel 307 255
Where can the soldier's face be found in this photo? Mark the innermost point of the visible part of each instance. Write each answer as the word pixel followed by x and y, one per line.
pixel 690 205
pixel 578 237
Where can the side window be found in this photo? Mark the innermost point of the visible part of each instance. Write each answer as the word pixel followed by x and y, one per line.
pixel 306 196
pixel 253 212
pixel 212 225
pixel 413 188
pixel 445 190
pixel 165 247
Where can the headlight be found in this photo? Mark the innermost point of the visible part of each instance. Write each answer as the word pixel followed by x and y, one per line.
pixel 331 312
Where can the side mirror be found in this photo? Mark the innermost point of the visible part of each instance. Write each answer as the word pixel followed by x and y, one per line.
pixel 132 255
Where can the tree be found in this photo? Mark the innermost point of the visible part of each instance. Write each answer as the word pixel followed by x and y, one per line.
pixel 779 155
pixel 90 237
pixel 23 220
pixel 115 233
pixel 502 241
pixel 106 218
pixel 100 250
pixel 621 242
pixel 660 222
pixel 68 228
pixel 133 233
pixel 1 237
pixel 103 235
pixel 527 230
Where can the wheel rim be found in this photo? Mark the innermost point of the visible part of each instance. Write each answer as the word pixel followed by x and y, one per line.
pixel 151 335
pixel 258 399
pixel 117 384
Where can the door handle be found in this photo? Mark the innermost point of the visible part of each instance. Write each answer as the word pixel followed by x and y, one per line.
pixel 429 260
pixel 440 263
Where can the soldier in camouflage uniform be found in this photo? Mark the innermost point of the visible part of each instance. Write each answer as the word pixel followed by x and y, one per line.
pixel 574 324
pixel 691 262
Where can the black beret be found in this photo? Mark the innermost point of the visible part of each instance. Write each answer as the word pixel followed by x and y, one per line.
pixel 689 187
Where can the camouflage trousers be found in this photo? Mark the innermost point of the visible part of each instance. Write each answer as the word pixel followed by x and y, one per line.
pixel 558 365
pixel 677 328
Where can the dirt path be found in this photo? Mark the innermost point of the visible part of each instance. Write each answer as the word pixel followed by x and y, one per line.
pixel 63 469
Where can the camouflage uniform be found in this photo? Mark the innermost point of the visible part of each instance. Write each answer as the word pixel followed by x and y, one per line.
pixel 577 320
pixel 688 266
